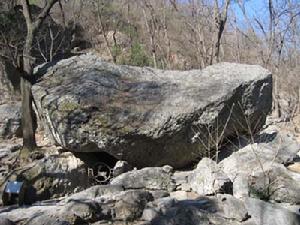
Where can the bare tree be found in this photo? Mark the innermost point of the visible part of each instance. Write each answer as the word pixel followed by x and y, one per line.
pixel 199 24
pixel 27 78
pixel 274 36
pixel 220 14
pixel 151 25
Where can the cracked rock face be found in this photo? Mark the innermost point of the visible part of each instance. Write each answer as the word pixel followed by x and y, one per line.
pixel 145 116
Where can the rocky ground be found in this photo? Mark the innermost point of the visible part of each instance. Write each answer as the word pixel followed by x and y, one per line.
pixel 258 183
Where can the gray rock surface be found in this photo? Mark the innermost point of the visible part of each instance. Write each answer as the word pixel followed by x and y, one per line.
pixel 10 120
pixel 9 82
pixel 5 221
pixel 121 167
pixel 159 193
pixel 95 192
pixel 232 208
pixel 149 214
pixel 184 195
pixel 151 178
pixel 53 176
pixel 277 184
pixel 121 206
pixel 132 206
pixel 240 187
pixel 181 179
pixel 208 178
pixel 9 151
pixel 149 117
pixel 281 148
pixel 270 214
pixel 258 169
pixel 223 209
pixel 56 176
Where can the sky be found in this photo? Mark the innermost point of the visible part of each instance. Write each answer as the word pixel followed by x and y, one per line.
pixel 254 8
pixel 255 5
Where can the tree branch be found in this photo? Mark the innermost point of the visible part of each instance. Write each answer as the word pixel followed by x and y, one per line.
pixel 27 13
pixel 41 17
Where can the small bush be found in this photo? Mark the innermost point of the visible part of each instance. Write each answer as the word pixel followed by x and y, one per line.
pixel 138 56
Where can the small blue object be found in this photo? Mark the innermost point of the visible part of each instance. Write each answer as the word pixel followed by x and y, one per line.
pixel 13 187
pixel 14 193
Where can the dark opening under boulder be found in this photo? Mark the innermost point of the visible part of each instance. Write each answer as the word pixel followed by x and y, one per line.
pixel 150 117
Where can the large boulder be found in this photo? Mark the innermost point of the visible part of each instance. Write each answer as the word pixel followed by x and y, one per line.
pixel 150 117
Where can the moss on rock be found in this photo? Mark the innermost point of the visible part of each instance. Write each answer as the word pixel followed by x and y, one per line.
pixel 68 106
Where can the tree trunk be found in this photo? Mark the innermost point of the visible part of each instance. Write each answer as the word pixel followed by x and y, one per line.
pixel 27 115
pixel 29 141
pixel 151 28
pixel 276 98
pixel 220 21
